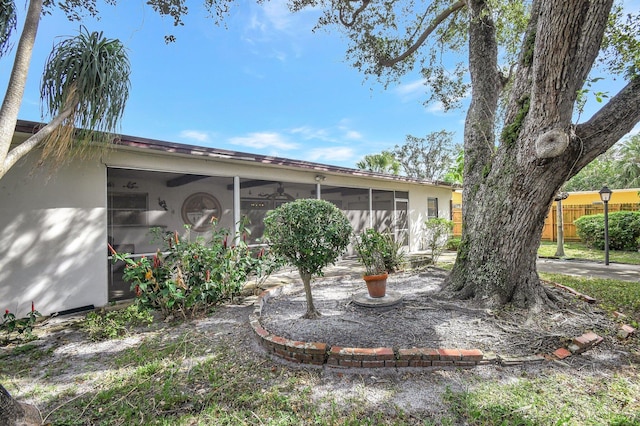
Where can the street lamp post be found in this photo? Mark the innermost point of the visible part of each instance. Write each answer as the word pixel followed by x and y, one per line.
pixel 605 196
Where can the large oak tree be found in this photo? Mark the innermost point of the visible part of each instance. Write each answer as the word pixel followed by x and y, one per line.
pixel 527 61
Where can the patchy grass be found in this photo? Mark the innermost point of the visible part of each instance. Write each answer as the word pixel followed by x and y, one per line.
pixel 559 399
pixel 185 375
pixel 612 295
pixel 577 250
pixel 183 380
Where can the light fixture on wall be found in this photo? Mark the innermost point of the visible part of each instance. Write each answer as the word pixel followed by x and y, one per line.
pixel 320 178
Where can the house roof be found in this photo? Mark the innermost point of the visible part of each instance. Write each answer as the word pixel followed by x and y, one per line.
pixel 139 143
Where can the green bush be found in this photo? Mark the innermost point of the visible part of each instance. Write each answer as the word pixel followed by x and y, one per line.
pixel 310 234
pixel 379 252
pixel 369 246
pixel 453 243
pixel 190 277
pixel 22 326
pixel 437 231
pixel 624 230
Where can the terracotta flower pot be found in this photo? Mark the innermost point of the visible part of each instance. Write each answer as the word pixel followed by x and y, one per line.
pixel 376 284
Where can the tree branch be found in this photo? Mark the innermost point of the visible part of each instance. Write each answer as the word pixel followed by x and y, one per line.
pixel 425 34
pixel 610 123
pixel 25 147
pixel 355 15
pixel 567 40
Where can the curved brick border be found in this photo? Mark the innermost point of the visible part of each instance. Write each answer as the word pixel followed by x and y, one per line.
pixel 318 353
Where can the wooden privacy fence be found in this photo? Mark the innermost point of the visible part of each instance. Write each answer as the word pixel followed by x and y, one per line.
pixel 569 215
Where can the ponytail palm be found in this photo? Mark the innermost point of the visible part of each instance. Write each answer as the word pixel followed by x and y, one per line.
pixel 86 85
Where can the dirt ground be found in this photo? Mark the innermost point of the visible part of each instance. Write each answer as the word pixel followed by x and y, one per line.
pixel 423 319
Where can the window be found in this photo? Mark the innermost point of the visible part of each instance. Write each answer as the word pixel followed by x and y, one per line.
pixel 128 209
pixel 432 208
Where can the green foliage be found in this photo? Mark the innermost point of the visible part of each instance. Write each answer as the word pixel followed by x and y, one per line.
pixel 455 173
pixel 385 162
pixel 118 323
pixel 8 21
pixel 437 232
pixel 426 158
pixel 616 168
pixel 453 243
pixel 190 277
pixel 309 234
pixel 369 247
pixel 624 230
pixel 601 171
pixel 393 255
pixel 88 74
pixel 582 98
pixel 621 43
pixel 22 326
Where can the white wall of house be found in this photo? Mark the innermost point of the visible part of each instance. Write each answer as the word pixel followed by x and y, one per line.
pixel 53 227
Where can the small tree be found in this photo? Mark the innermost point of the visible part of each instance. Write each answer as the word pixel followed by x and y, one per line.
pixel 438 231
pixel 309 234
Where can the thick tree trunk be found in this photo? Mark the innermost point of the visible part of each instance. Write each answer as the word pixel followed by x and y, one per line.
pixel 496 262
pixel 508 189
pixel 14 413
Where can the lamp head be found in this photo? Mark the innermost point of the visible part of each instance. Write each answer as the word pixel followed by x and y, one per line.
pixel 605 194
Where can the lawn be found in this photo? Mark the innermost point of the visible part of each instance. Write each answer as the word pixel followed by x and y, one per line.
pixel 577 250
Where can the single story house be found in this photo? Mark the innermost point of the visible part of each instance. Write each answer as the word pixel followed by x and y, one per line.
pixel 54 227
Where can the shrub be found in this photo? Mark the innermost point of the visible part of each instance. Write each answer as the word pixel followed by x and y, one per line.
pixel 118 323
pixel 624 230
pixel 379 252
pixel 22 326
pixel 437 230
pixel 369 247
pixel 392 253
pixel 453 243
pixel 190 277
pixel 310 234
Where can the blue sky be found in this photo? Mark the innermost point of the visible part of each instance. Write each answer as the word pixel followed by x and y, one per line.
pixel 264 84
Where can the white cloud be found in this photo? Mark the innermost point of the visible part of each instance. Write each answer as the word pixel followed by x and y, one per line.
pixel 343 154
pixel 353 135
pixel 436 107
pixel 195 135
pixel 278 14
pixel 307 133
pixel 264 140
pixel 411 90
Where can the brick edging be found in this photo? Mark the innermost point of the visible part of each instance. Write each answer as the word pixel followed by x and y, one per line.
pixel 319 353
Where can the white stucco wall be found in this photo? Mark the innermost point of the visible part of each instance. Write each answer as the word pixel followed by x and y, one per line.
pixel 52 237
pixel 53 227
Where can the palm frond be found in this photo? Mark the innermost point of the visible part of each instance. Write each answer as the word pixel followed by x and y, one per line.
pixel 8 22
pixel 87 75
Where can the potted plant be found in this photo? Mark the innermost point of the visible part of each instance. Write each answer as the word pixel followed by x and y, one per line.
pixel 369 247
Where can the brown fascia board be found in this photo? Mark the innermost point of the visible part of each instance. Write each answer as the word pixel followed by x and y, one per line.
pixel 138 143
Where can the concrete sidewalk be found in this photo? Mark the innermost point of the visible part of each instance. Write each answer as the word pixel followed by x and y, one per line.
pixel 616 271
pixel 582 268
